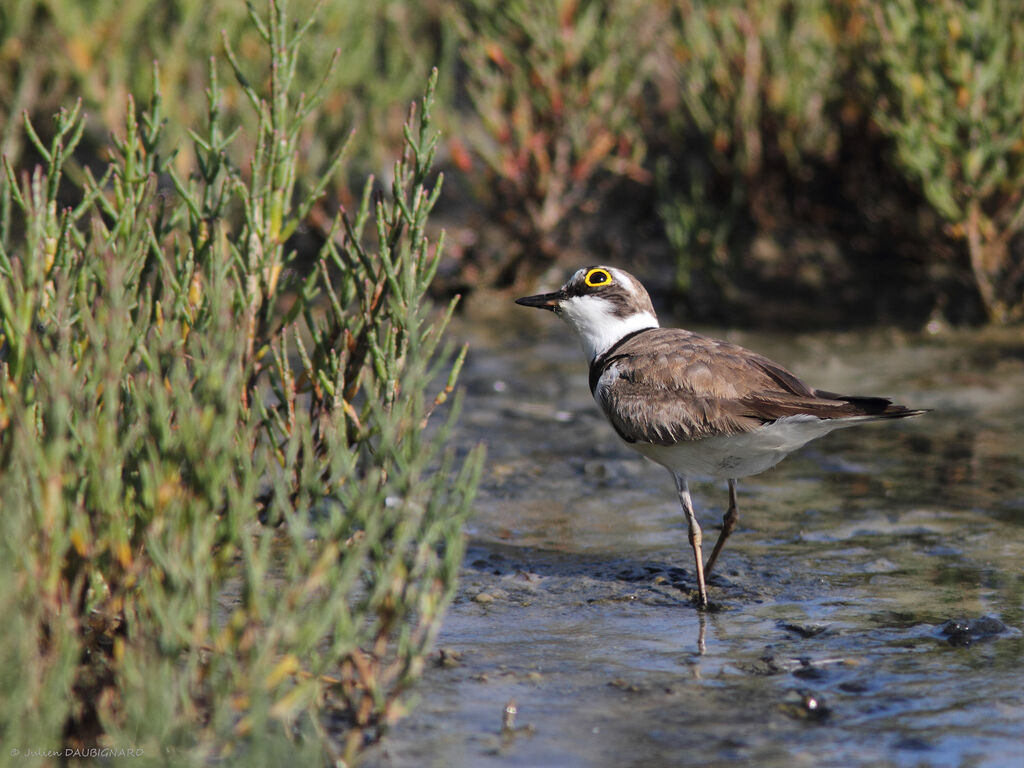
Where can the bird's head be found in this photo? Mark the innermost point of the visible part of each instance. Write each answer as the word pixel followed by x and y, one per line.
pixel 602 304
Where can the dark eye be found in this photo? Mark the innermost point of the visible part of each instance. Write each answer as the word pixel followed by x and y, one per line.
pixel 597 277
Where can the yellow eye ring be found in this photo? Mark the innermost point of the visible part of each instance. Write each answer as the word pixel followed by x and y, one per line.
pixel 597 277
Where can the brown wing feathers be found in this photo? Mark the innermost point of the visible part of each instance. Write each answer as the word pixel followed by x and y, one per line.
pixel 700 387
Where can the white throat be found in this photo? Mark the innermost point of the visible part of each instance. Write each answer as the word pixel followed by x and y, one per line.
pixel 597 325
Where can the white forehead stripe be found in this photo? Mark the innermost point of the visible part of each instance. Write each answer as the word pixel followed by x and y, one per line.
pixel 576 276
pixel 623 280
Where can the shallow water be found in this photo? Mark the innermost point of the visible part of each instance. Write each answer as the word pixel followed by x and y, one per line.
pixel 825 644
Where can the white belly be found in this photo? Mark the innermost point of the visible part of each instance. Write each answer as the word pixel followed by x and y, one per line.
pixel 734 456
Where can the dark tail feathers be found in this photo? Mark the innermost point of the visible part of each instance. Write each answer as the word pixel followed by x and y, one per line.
pixel 874 406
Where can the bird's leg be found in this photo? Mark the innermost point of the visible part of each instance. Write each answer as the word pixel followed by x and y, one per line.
pixel 728 524
pixel 695 535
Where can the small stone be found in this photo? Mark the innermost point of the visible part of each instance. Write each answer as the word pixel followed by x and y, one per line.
pixel 508 716
pixel 804 705
pixel 964 632
pixel 447 657
pixel 483 598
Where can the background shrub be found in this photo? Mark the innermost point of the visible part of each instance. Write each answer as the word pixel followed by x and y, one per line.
pixel 857 160
pixel 756 90
pixel 953 101
pixel 773 185
pixel 556 91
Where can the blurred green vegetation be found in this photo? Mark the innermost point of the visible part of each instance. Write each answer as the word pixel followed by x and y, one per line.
pixel 856 156
pixel 53 52
pixel 953 102
pixel 556 90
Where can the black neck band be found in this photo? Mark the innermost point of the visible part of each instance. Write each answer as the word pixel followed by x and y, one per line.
pixel 600 363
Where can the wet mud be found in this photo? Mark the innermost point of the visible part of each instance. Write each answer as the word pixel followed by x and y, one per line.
pixel 866 611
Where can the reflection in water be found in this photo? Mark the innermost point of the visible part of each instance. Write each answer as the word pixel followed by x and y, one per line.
pixel 833 595
pixel 702 644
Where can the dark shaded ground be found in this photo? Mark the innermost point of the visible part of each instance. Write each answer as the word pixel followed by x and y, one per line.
pixel 829 641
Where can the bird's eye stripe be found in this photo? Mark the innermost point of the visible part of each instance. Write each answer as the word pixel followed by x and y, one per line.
pixel 596 277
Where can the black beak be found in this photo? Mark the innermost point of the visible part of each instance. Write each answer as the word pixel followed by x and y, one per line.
pixel 543 300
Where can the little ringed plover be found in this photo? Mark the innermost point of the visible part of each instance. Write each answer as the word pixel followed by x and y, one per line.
pixel 696 405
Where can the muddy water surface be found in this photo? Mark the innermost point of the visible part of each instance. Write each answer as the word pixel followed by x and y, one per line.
pixel 867 610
